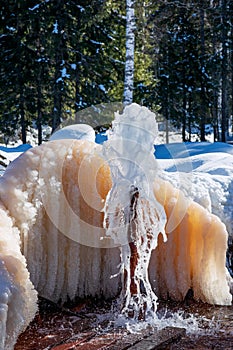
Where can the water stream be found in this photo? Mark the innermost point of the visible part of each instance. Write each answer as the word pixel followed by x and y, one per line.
pixel 133 216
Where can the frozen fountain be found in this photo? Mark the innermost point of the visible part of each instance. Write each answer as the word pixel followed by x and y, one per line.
pixel 95 220
pixel 133 216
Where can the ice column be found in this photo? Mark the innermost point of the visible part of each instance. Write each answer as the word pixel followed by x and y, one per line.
pixel 133 217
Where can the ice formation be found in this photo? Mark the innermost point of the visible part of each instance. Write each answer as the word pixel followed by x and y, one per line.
pixel 18 298
pixel 131 209
pixel 74 131
pixel 58 213
pixel 87 218
pixel 208 180
pixel 195 252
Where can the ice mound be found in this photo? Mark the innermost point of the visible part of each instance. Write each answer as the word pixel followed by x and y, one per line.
pixel 56 194
pixel 194 255
pixel 18 298
pixel 74 131
pixel 66 204
pixel 50 191
pixel 207 178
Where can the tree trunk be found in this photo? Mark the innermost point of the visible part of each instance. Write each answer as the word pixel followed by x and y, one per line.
pixel 129 59
pixel 57 104
pixel 22 105
pixel 39 112
pixel 184 98
pixel 202 60
pixel 57 88
pixel 59 61
pixel 224 70
pixel 189 117
pixel 215 92
pixel 78 101
pixel 231 45
pixel 184 116
pixel 167 126
pixel 20 81
pixel 22 118
pixel 39 84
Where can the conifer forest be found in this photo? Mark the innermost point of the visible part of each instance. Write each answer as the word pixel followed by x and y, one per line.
pixel 61 56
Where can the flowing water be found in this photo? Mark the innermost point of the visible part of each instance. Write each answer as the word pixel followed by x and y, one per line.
pixel 133 217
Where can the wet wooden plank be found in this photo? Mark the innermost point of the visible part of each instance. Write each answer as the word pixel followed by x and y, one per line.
pixel 127 340
pixel 147 340
pixel 159 338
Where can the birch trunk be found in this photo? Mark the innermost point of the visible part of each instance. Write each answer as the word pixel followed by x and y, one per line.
pixel 203 71
pixel 129 59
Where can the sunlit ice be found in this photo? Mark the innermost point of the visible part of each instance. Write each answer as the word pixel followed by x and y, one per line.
pixel 81 219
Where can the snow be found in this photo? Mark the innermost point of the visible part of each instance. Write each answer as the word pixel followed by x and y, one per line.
pixel 96 42
pixel 34 8
pixel 204 171
pixel 73 66
pixel 189 149
pixel 101 86
pixel 75 131
pixel 55 28
pixel 12 29
pixel 64 73
pixel 8 154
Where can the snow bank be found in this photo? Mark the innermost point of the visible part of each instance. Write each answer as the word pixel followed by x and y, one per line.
pixel 189 149
pixel 204 172
pixel 17 149
pixel 8 154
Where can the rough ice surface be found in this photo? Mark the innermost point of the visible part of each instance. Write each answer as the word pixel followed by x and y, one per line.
pixel 57 203
pixel 62 205
pixel 206 178
pixel 18 298
pixel 133 216
pixel 194 255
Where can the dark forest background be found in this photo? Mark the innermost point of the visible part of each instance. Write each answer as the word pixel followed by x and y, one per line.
pixel 59 57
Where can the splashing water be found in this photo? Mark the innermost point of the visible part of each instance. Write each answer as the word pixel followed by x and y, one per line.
pixel 192 320
pixel 133 217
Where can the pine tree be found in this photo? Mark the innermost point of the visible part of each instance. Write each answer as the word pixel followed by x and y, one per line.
pixel 15 55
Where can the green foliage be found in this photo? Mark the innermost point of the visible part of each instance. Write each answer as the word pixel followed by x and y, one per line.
pixel 190 62
pixel 59 57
